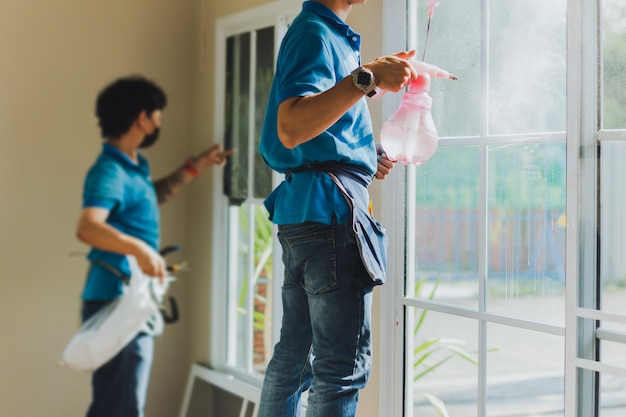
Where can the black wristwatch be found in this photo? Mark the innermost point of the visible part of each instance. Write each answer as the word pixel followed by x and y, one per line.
pixel 363 79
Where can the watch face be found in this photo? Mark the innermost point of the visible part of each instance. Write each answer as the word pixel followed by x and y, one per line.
pixel 364 78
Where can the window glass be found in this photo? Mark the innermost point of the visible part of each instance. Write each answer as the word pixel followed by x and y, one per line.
pixel 612 227
pixel 236 123
pixel 612 402
pixel 526 230
pixel 524 372
pixel 458 51
pixel 247 181
pixel 250 291
pixel 447 222
pixel 445 364
pixel 614 64
pixel 490 211
pixel 264 70
pixel 526 66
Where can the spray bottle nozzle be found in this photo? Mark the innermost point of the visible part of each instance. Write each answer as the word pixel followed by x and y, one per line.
pixel 435 72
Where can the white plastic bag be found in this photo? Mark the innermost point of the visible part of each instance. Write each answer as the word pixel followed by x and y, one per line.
pixel 105 333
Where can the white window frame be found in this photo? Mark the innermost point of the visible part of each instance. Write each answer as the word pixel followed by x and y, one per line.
pixel 276 14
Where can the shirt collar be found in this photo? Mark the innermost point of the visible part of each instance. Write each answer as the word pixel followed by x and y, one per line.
pixel 329 15
pixel 121 156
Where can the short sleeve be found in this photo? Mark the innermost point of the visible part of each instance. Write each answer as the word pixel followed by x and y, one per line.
pixel 306 65
pixel 104 186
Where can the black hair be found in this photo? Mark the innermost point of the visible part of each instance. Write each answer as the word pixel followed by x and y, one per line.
pixel 123 100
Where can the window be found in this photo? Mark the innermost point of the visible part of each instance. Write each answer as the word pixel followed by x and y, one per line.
pixel 489 324
pixel 488 244
pixel 245 304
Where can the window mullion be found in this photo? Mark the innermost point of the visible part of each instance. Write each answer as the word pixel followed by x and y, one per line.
pixel 581 390
pixel 483 208
pixel 251 207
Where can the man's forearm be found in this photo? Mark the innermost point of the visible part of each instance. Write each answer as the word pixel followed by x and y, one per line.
pixel 169 186
pixel 105 237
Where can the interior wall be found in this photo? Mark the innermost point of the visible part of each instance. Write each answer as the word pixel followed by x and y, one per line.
pixel 55 57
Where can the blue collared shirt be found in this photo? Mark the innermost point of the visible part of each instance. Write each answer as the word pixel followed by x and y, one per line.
pixel 115 182
pixel 318 51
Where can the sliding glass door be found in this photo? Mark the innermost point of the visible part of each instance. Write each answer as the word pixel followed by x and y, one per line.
pixel 512 294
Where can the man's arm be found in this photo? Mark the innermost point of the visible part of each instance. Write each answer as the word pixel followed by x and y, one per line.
pixel 93 230
pixel 301 119
pixel 168 187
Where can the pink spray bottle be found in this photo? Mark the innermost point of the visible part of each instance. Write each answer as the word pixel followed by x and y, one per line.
pixel 410 135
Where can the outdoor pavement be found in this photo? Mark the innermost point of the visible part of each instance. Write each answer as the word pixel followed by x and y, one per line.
pixel 524 368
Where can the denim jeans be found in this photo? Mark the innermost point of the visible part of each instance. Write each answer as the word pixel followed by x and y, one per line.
pixel 119 386
pixel 325 340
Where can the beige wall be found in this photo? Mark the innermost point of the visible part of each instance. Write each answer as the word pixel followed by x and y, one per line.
pixel 54 58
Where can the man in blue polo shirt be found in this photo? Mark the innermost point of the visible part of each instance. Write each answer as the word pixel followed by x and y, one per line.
pixel 318 132
pixel 120 217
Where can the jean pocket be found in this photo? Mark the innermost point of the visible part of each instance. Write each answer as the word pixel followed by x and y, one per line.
pixel 310 257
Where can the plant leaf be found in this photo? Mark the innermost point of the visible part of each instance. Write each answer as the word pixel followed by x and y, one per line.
pixel 436 402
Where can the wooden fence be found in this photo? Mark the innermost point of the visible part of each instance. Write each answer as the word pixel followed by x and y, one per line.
pixel 520 244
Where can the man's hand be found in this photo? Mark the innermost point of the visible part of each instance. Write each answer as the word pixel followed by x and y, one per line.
pixel 215 155
pixel 151 262
pixel 93 230
pixel 393 72
pixel 384 164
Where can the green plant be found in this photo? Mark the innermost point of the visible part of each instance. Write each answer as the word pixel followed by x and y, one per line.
pixel 262 253
pixel 425 350
pixel 254 254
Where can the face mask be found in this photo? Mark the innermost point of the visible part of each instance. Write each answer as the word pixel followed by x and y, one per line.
pixel 150 139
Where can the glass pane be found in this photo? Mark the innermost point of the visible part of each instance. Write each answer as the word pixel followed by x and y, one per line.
pixel 456 104
pixel 612 395
pixel 250 271
pixel 614 64
pixel 238 328
pixel 526 231
pixel 525 372
pixel 613 224
pixel 445 364
pixel 262 291
pixel 447 204
pixel 264 73
pixel 527 58
pixel 236 124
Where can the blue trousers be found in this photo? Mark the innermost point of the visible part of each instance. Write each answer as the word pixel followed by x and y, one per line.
pixel 325 341
pixel 119 387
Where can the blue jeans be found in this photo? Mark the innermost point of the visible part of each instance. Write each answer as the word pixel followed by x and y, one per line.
pixel 325 340
pixel 119 386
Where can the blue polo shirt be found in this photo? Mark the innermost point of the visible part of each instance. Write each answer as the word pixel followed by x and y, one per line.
pixel 115 182
pixel 317 52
